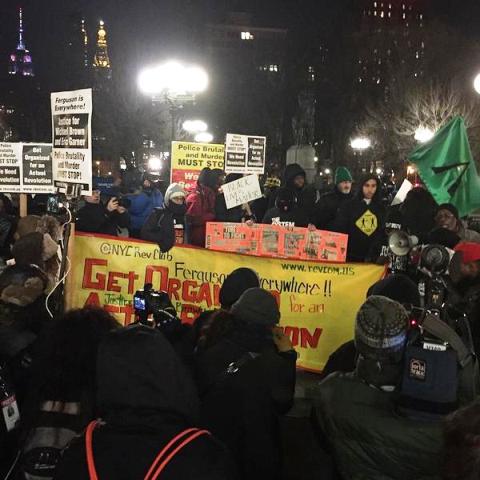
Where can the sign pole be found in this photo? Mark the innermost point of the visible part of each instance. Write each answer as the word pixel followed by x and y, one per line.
pixel 23 205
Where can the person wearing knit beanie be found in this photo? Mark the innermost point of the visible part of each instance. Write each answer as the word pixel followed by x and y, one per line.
pixel 381 329
pixel 258 307
pixel 330 203
pixel 343 175
pixel 237 283
pixel 447 216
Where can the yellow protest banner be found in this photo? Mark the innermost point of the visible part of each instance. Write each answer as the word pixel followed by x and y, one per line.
pixel 318 302
pixel 188 159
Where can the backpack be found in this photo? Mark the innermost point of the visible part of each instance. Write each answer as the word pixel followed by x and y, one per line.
pixel 440 369
pixel 166 455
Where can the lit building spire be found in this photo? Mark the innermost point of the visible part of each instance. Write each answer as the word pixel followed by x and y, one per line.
pixel 21 45
pixel 20 62
pixel 85 43
pixel 101 61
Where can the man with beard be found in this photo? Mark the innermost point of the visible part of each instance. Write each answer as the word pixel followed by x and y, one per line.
pixel 329 204
pixel 363 219
pixel 166 224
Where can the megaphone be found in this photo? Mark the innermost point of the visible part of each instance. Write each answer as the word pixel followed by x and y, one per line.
pixel 400 243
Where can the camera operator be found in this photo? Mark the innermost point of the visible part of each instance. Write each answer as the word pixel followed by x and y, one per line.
pixel 354 413
pixel 98 218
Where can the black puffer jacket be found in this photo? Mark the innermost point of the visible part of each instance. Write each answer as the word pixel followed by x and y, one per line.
pixel 364 223
pixel 147 399
pixel 327 208
pixel 243 408
pixel 95 218
pixel 306 196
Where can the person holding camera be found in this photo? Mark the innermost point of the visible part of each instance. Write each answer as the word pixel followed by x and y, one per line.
pixel 106 219
pixel 246 381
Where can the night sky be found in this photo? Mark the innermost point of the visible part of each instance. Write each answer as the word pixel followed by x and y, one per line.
pixel 143 31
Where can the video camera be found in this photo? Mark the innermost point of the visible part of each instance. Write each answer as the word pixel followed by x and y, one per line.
pixel 151 303
pixel 440 366
pixel 431 265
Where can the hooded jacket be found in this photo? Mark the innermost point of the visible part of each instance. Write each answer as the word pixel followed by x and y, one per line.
pixel 286 211
pixel 147 398
pixel 200 210
pixel 306 196
pixel 363 222
pixel 160 225
pixel 242 407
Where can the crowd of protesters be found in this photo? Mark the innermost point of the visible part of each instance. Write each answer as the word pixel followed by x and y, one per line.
pixel 83 397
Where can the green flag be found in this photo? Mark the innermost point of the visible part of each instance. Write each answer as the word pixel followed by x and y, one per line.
pixel 446 166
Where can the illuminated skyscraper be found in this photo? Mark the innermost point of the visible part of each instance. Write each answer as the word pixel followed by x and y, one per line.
pixel 391 34
pixel 85 43
pixel 21 60
pixel 101 61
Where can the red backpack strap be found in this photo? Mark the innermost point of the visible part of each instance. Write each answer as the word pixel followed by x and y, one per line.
pixel 175 445
pixel 92 473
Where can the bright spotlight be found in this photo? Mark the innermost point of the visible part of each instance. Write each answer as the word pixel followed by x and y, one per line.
pixel 424 134
pixel 204 137
pixel 360 143
pixel 154 163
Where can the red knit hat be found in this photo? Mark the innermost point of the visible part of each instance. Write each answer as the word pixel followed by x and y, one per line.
pixel 470 251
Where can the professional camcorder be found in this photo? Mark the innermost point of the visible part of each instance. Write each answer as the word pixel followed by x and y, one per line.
pixel 430 264
pixel 149 303
pixel 440 370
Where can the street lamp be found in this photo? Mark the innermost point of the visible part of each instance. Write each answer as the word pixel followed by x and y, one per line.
pixel 476 83
pixel 195 126
pixel 361 143
pixel 173 79
pixel 204 137
pixel 328 171
pixel 173 83
pixel 154 164
pixel 424 134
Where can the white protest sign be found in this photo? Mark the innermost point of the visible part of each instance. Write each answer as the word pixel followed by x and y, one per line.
pixel 245 154
pixel 10 167
pixel 72 138
pixel 402 193
pixel 241 191
pixel 26 168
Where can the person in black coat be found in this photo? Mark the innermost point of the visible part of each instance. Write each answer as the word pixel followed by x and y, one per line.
pixel 363 219
pixel 146 399
pixel 286 212
pixel 329 204
pixel 294 179
pixel 163 222
pixel 246 381
pixel 97 218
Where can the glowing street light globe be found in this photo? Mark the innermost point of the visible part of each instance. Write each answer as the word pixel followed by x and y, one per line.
pixel 361 143
pixel 476 83
pixel 424 134
pixel 154 164
pixel 174 78
pixel 195 126
pixel 204 137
